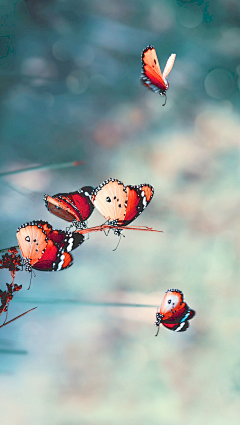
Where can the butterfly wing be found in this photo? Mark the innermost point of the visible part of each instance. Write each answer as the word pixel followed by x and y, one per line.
pixel 61 208
pixel 71 206
pixel 32 240
pixel 151 75
pixel 81 199
pixel 68 241
pixel 138 198
pixel 169 65
pixel 180 325
pixel 47 227
pixel 110 199
pixel 53 259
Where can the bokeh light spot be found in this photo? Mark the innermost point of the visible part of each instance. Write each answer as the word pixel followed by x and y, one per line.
pixel 190 16
pixel 219 84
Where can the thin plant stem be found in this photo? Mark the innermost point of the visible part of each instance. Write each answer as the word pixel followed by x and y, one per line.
pixel 81 302
pixel 43 167
pixel 102 228
pixel 15 318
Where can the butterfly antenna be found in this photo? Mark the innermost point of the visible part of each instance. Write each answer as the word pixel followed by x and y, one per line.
pixel 31 279
pixel 165 100
pixel 120 235
pixel 118 242
pixel 157 330
pixel 6 315
pixel 106 231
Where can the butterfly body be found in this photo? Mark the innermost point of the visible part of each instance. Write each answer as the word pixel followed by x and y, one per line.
pixel 151 75
pixel 120 204
pixel 174 313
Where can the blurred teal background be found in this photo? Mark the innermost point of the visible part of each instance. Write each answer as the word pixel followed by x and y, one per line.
pixel 70 90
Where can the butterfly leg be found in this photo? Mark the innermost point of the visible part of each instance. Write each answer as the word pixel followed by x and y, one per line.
pixel 32 273
pixel 118 232
pixel 106 232
pixel 165 99
pixel 6 309
pixel 157 323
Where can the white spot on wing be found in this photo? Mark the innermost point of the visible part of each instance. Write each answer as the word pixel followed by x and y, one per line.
pixel 70 244
pixel 60 264
pixel 180 327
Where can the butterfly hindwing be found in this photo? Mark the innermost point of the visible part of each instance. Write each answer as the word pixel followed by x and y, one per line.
pixel 82 201
pixel 138 198
pixel 66 240
pixel 54 259
pixel 177 324
pixel 169 65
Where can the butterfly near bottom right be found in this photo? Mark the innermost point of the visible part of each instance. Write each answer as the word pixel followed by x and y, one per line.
pixel 174 313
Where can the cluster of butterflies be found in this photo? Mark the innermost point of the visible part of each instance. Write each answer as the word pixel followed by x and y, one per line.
pixel 46 249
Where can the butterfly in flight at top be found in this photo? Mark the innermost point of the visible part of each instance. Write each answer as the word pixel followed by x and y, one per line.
pixel 120 204
pixel 151 75
pixel 174 312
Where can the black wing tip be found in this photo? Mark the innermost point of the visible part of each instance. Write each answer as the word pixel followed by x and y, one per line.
pixel 148 47
pixel 46 201
pixel 193 313
pixel 174 290
pixel 37 223
pixel 88 189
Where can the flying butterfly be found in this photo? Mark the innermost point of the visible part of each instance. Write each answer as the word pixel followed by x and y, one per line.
pixel 174 313
pixel 120 204
pixel 46 249
pixel 75 207
pixel 151 75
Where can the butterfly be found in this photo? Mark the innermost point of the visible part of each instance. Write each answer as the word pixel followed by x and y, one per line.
pixel 46 249
pixel 151 75
pixel 120 204
pixel 174 312
pixel 75 207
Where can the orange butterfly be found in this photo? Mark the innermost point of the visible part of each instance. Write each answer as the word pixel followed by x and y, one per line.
pixel 174 313
pixel 46 249
pixel 151 75
pixel 120 204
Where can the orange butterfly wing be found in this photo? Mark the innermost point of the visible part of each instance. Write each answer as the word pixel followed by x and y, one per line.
pixel 32 241
pixel 138 198
pixel 151 75
pixel 53 259
pixel 110 199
